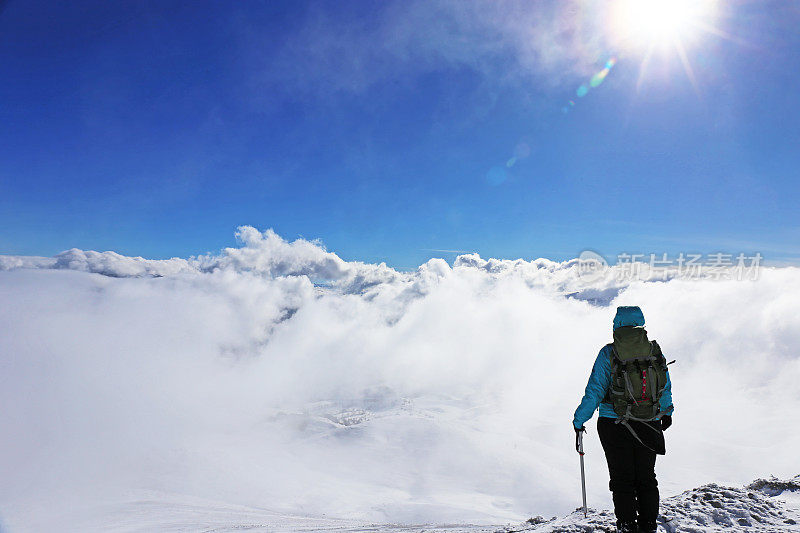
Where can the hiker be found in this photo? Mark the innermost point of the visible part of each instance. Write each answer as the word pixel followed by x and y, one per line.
pixel 631 385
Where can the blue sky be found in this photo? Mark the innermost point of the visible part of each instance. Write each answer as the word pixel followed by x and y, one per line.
pixel 385 129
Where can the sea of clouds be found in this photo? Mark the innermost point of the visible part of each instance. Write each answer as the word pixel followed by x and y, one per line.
pixel 277 375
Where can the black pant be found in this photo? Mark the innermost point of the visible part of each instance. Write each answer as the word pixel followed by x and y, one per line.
pixel 631 467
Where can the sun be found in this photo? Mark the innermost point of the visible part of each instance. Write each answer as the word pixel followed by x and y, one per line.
pixel 642 27
pixel 661 22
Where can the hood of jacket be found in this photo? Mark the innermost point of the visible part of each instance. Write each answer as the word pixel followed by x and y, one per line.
pixel 628 315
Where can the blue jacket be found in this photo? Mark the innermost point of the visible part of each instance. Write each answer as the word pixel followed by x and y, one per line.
pixel 599 382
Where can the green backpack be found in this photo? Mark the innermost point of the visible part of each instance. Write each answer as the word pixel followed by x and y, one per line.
pixel 638 376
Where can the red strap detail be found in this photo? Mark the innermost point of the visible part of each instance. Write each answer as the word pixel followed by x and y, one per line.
pixel 644 384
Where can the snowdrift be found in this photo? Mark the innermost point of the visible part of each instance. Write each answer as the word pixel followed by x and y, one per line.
pixel 769 505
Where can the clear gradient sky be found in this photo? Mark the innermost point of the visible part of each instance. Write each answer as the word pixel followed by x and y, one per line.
pixel 387 129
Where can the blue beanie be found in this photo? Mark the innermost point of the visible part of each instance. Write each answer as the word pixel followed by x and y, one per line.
pixel 628 315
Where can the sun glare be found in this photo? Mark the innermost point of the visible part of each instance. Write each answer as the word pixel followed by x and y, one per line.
pixel 666 26
pixel 649 23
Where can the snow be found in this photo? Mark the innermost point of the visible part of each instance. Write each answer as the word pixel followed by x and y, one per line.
pixel 762 506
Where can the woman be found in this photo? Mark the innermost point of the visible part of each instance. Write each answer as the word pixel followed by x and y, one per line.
pixel 630 441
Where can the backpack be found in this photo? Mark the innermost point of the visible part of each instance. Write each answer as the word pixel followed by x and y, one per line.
pixel 638 377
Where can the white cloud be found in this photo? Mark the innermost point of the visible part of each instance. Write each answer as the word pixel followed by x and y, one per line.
pixel 506 43
pixel 10 262
pixel 278 375
pixel 116 265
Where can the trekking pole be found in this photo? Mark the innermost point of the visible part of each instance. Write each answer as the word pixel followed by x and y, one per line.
pixel 583 476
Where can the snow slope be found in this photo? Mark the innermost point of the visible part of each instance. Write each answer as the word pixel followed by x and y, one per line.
pixel 762 506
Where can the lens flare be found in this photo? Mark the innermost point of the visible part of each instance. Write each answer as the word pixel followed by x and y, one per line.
pixel 522 150
pixel 598 78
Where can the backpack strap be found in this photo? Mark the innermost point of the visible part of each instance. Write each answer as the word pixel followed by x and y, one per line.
pixel 659 356
pixel 629 388
pixel 614 362
pixel 652 377
pixel 628 416
pixel 624 422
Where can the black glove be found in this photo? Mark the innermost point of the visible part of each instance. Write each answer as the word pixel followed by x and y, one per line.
pixel 577 436
pixel 666 421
